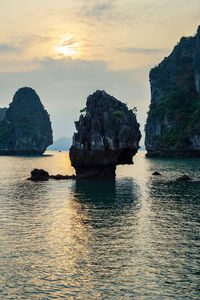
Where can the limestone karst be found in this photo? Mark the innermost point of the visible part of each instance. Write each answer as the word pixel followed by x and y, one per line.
pixel 173 123
pixel 107 135
pixel 25 127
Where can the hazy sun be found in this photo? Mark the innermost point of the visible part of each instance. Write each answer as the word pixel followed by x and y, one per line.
pixel 67 46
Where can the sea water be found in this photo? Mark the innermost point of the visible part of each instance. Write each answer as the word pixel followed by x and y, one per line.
pixel 135 237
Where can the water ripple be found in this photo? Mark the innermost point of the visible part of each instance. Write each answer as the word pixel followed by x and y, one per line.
pixel 133 237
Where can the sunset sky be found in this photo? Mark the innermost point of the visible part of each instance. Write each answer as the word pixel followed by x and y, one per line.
pixel 67 49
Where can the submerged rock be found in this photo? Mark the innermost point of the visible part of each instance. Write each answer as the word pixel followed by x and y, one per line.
pixel 107 135
pixel 25 127
pixel 184 178
pixel 173 123
pixel 156 173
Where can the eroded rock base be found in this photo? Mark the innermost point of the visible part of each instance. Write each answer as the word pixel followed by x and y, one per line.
pixel 99 164
pixel 95 172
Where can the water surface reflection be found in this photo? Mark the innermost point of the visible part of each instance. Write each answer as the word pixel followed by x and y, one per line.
pixel 133 237
pixel 174 244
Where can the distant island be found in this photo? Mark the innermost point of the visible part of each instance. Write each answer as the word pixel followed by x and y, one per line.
pixel 25 127
pixel 173 123
pixel 61 144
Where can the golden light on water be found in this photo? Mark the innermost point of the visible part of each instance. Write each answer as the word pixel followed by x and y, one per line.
pixel 67 46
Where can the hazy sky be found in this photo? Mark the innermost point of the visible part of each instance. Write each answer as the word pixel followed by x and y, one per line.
pixel 67 49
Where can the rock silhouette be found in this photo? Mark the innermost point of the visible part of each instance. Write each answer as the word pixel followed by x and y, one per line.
pixel 25 127
pixel 42 175
pixel 39 175
pixel 107 135
pixel 156 173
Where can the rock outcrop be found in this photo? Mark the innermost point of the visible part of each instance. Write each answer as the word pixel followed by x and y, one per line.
pixel 107 135
pixel 42 175
pixel 39 175
pixel 156 173
pixel 25 127
pixel 173 123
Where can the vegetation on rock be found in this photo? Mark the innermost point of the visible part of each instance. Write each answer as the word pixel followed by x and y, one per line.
pixel 118 113
pixel 173 122
pixel 186 115
pixel 25 127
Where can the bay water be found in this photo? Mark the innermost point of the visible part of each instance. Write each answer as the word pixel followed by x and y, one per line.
pixel 135 237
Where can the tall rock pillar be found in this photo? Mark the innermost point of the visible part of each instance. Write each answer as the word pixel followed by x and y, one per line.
pixel 107 135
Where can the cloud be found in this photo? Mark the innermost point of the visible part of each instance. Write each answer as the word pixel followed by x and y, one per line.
pixel 64 84
pixel 97 9
pixel 28 40
pixel 68 42
pixel 6 48
pixel 141 50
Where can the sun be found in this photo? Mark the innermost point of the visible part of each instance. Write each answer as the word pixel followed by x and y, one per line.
pixel 67 46
pixel 66 50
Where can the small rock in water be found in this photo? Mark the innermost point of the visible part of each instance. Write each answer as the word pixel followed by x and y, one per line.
pixel 184 178
pixel 42 175
pixel 156 173
pixel 39 175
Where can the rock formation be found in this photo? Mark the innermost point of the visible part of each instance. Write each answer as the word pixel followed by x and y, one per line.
pixel 173 123
pixel 107 135
pixel 156 173
pixel 2 113
pixel 26 126
pixel 184 178
pixel 42 175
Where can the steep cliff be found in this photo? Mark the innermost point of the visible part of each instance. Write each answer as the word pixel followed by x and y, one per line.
pixel 26 126
pixel 2 113
pixel 173 123
pixel 107 135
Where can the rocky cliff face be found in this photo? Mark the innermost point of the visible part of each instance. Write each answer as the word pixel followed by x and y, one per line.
pixel 107 135
pixel 173 123
pixel 2 113
pixel 26 126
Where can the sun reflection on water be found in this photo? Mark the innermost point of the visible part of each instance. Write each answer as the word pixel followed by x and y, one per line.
pixel 119 238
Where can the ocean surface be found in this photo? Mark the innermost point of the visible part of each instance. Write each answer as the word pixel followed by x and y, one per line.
pixel 135 237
